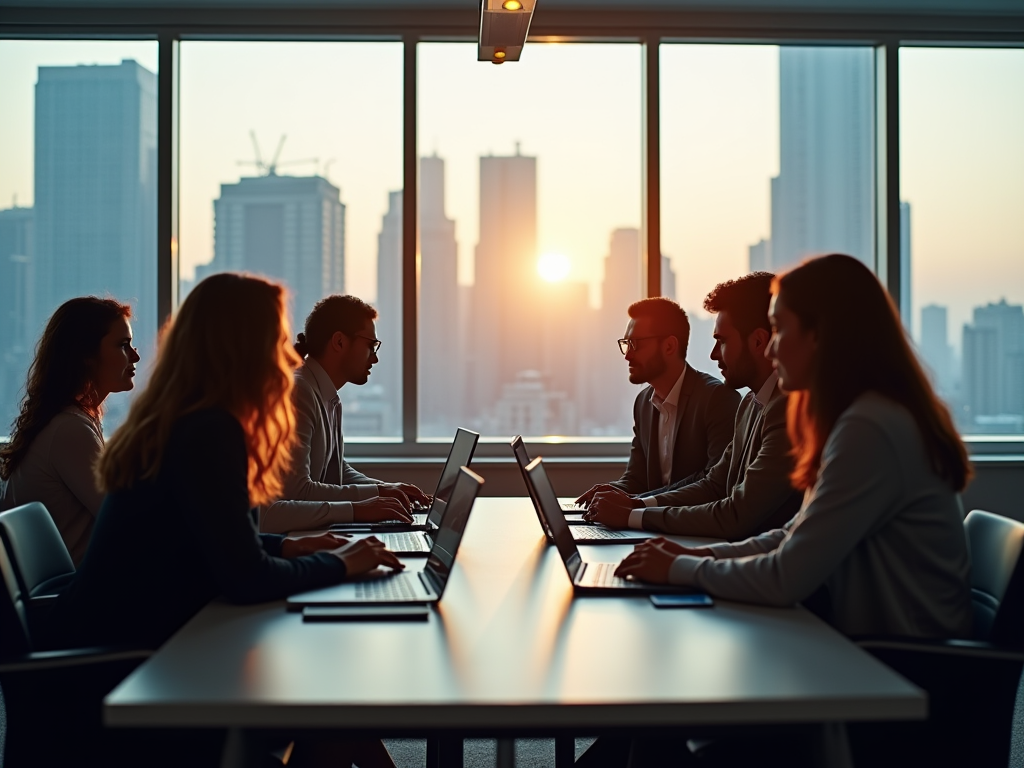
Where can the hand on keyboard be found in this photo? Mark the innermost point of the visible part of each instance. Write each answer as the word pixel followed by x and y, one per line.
pixel 404 492
pixel 649 562
pixel 380 509
pixel 586 498
pixel 297 546
pixel 611 507
pixel 364 555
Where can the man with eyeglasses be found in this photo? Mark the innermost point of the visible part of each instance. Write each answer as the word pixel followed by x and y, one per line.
pixel 339 347
pixel 682 421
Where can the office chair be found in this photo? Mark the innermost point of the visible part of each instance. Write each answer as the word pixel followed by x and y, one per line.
pixel 38 556
pixel 971 684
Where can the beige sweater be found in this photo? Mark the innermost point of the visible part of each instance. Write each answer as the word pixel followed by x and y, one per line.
pixel 57 471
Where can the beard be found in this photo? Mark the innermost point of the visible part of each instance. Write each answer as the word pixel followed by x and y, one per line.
pixel 741 372
pixel 652 370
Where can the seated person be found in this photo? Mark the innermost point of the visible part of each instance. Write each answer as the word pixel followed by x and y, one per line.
pixel 321 488
pixel 748 490
pixel 682 421
pixel 85 353
pixel 207 439
pixel 880 463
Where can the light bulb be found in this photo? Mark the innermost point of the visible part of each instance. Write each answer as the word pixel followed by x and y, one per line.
pixel 512 5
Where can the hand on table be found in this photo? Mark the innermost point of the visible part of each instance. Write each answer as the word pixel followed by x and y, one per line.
pixel 611 507
pixel 380 509
pixel 364 555
pixel 307 545
pixel 652 560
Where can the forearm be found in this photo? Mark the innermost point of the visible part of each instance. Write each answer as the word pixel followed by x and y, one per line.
pixel 304 488
pixel 285 516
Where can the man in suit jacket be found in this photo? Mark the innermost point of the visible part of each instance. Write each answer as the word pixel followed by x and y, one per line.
pixel 340 347
pixel 748 491
pixel 682 422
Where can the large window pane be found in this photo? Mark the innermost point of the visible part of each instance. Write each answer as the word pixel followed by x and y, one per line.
pixel 291 167
pixel 530 190
pixel 962 173
pixel 767 157
pixel 78 192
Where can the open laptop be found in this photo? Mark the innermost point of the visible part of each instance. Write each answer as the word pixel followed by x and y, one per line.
pixel 588 533
pixel 426 586
pixel 586 578
pixel 413 538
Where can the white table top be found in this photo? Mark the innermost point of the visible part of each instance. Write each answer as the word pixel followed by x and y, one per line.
pixel 510 646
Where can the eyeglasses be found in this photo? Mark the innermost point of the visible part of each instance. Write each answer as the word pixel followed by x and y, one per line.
pixel 627 344
pixel 374 343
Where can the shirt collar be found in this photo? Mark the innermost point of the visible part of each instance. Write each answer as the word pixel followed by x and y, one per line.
pixel 672 399
pixel 328 392
pixel 764 394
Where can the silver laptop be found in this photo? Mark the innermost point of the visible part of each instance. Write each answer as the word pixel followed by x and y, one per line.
pixel 586 578
pixel 414 538
pixel 587 532
pixel 426 586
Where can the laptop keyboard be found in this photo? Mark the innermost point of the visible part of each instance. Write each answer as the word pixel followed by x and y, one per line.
pixel 405 542
pixel 393 588
pixel 603 575
pixel 582 532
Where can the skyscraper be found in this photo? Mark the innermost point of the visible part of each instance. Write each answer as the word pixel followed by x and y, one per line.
pixel 906 303
pixel 95 190
pixel 387 374
pixel 285 227
pixel 440 353
pixel 993 361
pixel 823 197
pixel 16 311
pixel 935 349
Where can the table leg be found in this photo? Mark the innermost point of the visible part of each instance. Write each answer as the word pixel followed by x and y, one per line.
pixel 444 752
pixel 565 751
pixel 506 757
pixel 834 747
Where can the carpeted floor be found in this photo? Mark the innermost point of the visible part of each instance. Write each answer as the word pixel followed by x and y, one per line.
pixel 481 753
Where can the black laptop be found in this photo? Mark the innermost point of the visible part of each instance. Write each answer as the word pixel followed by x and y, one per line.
pixel 426 586
pixel 588 533
pixel 408 538
pixel 586 578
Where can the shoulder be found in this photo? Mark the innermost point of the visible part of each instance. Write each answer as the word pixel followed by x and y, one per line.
pixel 873 420
pixel 208 426
pixel 877 409
pixel 72 425
pixel 777 406
pixel 643 397
pixel 712 388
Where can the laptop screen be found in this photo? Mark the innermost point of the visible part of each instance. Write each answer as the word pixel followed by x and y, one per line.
pixel 448 536
pixel 552 512
pixel 460 455
pixel 522 459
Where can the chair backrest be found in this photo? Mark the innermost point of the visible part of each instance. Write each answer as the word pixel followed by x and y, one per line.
pixel 14 634
pixel 36 550
pixel 996 572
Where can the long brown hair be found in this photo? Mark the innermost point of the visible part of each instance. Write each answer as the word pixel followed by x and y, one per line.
pixel 61 373
pixel 227 347
pixel 861 347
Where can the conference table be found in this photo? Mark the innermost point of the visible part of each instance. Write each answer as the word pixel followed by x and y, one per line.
pixel 508 651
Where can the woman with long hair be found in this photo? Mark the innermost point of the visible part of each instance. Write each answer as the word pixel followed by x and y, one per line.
pixel 879 540
pixel 85 354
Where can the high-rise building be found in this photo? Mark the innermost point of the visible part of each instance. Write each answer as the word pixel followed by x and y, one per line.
pixel 668 278
pixel 95 190
pixel 823 197
pixel 440 352
pixel 17 336
pixel 906 303
pixel 993 361
pixel 387 373
pixel 285 227
pixel 759 257
pixel 935 348
pixel 506 314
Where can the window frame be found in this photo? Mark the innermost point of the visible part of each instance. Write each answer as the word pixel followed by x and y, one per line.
pixel 886 33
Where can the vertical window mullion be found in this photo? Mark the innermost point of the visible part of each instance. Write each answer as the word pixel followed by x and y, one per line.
pixel 651 280
pixel 167 179
pixel 887 163
pixel 410 281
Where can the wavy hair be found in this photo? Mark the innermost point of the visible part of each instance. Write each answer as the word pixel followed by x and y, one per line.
pixel 61 373
pixel 861 347
pixel 226 348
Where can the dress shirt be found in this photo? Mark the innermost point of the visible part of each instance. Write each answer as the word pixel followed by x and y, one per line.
pixel 667 408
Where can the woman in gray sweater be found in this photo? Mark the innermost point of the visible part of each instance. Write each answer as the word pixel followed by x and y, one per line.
pixel 880 534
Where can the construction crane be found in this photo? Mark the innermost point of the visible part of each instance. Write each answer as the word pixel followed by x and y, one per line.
pixel 270 169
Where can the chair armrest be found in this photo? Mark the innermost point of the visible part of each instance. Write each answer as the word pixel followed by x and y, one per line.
pixel 74 657
pixel 964 649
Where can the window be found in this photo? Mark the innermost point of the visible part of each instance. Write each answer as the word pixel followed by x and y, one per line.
pixel 78 144
pixel 767 156
pixel 962 173
pixel 529 238
pixel 291 167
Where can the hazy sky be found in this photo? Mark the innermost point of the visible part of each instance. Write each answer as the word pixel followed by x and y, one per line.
pixel 577 108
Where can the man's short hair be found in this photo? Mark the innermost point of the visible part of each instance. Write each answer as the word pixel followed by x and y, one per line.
pixel 746 299
pixel 669 318
pixel 347 314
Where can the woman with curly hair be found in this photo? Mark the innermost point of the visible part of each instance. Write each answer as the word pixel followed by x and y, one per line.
pixel 85 354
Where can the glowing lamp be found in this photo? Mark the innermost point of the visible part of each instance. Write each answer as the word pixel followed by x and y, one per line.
pixel 504 26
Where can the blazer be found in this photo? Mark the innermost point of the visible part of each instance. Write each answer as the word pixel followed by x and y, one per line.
pixel 142 579
pixel 748 491
pixel 320 485
pixel 704 419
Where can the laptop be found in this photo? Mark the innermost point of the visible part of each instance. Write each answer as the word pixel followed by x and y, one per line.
pixel 413 538
pixel 587 532
pixel 586 578
pixel 402 587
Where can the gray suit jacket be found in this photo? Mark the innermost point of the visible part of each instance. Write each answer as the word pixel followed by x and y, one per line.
pixel 747 492
pixel 705 419
pixel 320 485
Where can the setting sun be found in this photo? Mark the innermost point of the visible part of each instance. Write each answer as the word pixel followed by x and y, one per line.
pixel 553 267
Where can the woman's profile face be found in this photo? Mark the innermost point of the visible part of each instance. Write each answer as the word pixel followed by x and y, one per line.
pixel 792 348
pixel 114 366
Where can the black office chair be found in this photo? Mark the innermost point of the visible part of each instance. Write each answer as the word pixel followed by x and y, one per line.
pixel 41 562
pixel 971 684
